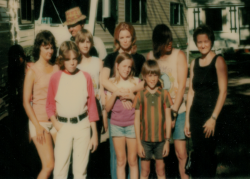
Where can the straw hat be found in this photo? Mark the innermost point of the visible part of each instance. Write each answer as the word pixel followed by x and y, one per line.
pixel 73 16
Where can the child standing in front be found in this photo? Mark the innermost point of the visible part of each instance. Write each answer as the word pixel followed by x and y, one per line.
pixel 72 109
pixel 122 119
pixel 152 121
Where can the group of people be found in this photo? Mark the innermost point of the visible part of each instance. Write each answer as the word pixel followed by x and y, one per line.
pixel 63 101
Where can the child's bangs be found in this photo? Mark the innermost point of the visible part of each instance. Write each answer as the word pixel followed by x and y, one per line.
pixel 82 37
pixel 66 54
pixel 153 70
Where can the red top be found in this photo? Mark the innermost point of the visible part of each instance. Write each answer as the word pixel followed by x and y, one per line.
pixel 52 91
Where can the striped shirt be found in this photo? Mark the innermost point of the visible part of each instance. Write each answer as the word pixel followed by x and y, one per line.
pixel 152 114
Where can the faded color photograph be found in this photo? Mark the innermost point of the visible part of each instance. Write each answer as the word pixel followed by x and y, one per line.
pixel 124 89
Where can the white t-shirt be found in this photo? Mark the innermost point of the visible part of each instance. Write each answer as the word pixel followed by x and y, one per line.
pixel 93 68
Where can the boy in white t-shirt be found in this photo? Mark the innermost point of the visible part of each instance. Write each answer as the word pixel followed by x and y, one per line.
pixel 72 109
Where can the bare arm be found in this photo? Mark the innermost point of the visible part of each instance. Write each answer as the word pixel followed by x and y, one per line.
pixel 138 87
pixel 181 79
pixel 94 138
pixel 111 100
pixel 190 97
pixel 105 80
pixel 221 70
pixel 168 131
pixel 27 92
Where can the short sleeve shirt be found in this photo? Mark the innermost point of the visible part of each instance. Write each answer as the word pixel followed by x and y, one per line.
pixel 109 62
pixel 152 114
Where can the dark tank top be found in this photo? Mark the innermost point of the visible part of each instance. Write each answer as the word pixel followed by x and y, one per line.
pixel 206 89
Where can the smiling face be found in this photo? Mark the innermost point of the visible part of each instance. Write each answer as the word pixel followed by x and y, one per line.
pixel 125 40
pixel 204 44
pixel 71 63
pixel 151 80
pixel 46 52
pixel 85 46
pixel 124 68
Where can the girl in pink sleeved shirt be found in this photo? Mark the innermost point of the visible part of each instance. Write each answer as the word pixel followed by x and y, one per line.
pixel 72 109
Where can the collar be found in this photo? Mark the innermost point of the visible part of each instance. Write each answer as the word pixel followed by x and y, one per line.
pixel 72 38
pixel 75 72
pixel 157 93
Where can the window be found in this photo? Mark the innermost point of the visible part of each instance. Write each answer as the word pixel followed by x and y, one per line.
pixel 52 6
pixel 212 15
pixel 135 11
pixel 113 9
pixel 245 16
pixel 26 12
pixel 176 14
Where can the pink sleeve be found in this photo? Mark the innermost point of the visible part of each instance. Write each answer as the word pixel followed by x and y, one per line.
pixel 52 90
pixel 92 108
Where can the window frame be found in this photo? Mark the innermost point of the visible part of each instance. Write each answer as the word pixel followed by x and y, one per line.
pixel 20 18
pixel 116 11
pixel 180 16
pixel 221 9
pixel 142 22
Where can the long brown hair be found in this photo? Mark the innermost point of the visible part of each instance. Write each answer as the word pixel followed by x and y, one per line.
pixel 120 58
pixel 130 28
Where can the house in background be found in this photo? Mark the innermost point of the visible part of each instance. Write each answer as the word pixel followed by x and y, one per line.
pixel 229 20
pixel 144 15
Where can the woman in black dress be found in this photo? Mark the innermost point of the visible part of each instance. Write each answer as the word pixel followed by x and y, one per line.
pixel 206 96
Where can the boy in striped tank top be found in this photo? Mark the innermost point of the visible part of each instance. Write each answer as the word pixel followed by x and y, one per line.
pixel 152 121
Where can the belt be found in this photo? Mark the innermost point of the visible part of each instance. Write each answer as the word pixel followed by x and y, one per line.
pixel 72 120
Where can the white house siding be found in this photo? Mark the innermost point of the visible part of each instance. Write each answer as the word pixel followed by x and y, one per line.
pixel 226 38
pixel 158 12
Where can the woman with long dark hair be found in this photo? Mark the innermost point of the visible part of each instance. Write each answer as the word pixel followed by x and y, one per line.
pixel 36 84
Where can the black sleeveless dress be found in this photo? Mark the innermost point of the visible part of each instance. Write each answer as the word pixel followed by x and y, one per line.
pixel 206 92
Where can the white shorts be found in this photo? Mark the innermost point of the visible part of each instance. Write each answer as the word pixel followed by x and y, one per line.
pixel 47 125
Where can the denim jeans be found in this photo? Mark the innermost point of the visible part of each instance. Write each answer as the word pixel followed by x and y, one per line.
pixel 113 156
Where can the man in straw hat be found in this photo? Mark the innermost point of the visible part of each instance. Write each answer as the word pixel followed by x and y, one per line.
pixel 75 21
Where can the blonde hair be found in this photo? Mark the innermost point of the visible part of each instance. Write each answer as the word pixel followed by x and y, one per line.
pixel 64 53
pixel 151 67
pixel 120 58
pixel 130 28
pixel 82 35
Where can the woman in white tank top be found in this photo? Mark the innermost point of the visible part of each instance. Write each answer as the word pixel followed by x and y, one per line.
pixel 93 66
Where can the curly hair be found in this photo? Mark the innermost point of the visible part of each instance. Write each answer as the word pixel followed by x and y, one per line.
pixel 161 37
pixel 130 28
pixel 204 29
pixel 44 37
pixel 64 53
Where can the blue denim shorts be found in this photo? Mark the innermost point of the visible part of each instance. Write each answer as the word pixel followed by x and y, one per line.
pixel 178 131
pixel 118 131
pixel 153 150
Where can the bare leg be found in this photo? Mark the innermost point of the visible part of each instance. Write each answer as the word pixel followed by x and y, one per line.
pixel 145 169
pixel 46 154
pixel 160 169
pixel 120 151
pixel 181 153
pixel 132 158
